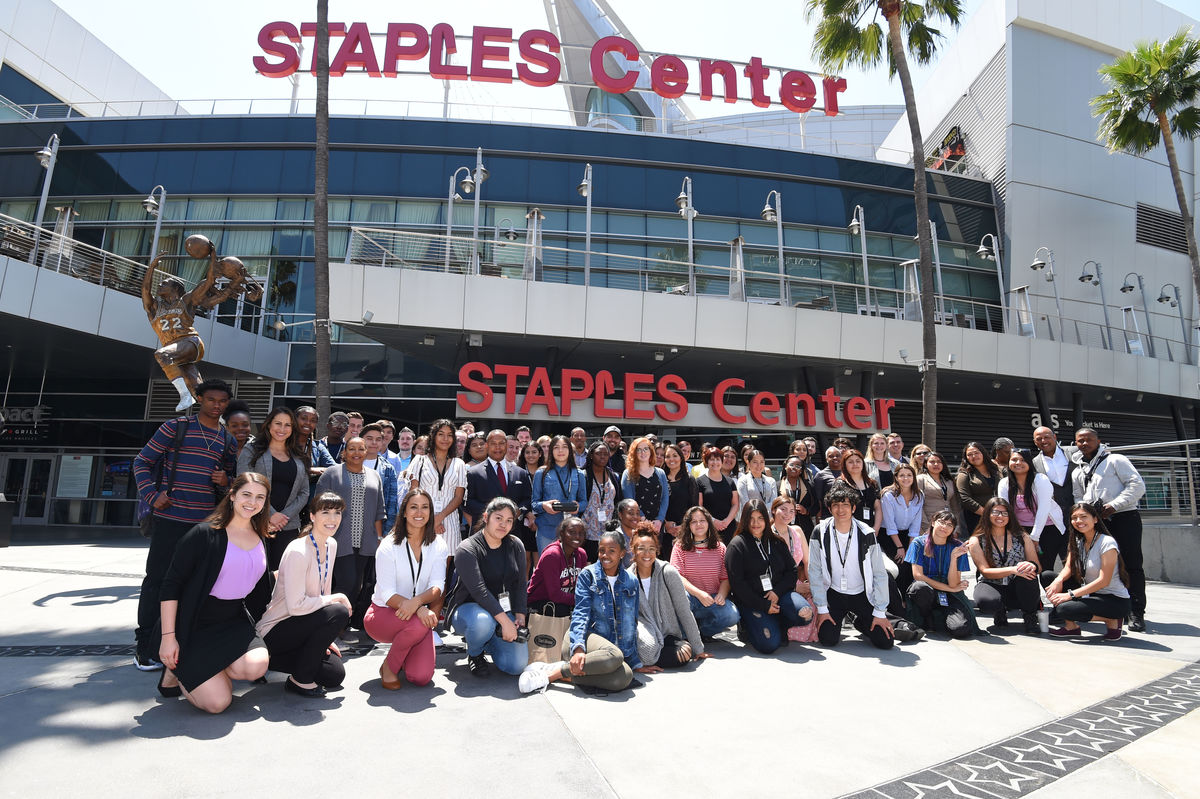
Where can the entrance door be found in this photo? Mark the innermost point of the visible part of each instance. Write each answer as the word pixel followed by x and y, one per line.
pixel 26 482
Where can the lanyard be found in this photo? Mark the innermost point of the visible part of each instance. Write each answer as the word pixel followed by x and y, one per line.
pixel 320 574
pixel 601 489
pixel 761 486
pixel 842 556
pixel 442 473
pixel 766 555
pixel 566 493
pixel 416 575
pixel 1002 561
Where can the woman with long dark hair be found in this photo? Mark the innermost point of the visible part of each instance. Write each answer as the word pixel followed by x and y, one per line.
pixel 216 583
pixel 937 489
pixel 937 597
pixel 1007 564
pixel 603 488
pixel 783 513
pixel 410 570
pixel 304 617
pixel 278 453
pixel 763 575
pixel 699 555
pixel 718 493
pixel 558 490
pixel 796 485
pixel 1031 495
pixel 443 476
pixel 1092 583
pixel 683 494
pixel 854 472
pixel 975 483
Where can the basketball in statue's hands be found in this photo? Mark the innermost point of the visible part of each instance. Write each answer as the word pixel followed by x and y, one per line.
pixel 198 246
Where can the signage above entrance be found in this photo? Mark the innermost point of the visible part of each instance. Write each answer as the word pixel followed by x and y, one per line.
pixel 537 63
pixel 584 396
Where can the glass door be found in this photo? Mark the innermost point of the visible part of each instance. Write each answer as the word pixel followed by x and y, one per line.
pixel 26 481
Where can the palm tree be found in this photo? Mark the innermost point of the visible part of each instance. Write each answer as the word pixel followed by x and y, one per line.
pixel 1152 93
pixel 321 326
pixel 846 36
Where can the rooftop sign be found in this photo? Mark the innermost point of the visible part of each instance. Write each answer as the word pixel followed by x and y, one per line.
pixel 536 62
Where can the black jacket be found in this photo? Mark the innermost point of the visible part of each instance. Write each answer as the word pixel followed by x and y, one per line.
pixel 745 566
pixel 470 585
pixel 193 573
pixel 483 487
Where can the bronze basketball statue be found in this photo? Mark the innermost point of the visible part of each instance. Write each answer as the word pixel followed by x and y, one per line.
pixel 172 311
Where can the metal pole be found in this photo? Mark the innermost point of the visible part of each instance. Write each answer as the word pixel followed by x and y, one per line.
pixel 162 207
pixel 449 219
pixel 1187 454
pixel 1104 303
pixel 1149 324
pixel 52 146
pixel 1052 278
pixel 690 213
pixel 480 177
pixel 1187 349
pixel 862 233
pixel 587 235
pixel 1000 280
pixel 937 262
pixel 783 295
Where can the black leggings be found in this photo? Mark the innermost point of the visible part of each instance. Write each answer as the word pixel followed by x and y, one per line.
pixel 669 657
pixel 297 646
pixel 922 598
pixel 349 575
pixel 993 598
pixel 830 632
pixel 1081 610
pixel 1051 546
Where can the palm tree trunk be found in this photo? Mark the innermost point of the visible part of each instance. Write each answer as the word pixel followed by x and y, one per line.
pixel 321 331
pixel 924 240
pixel 1181 197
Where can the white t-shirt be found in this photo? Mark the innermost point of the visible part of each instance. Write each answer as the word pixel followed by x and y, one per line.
pixel 853 578
pixel 612 583
pixel 1091 567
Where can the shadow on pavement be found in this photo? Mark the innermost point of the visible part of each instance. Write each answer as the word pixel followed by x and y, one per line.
pixel 408 699
pixel 172 718
pixel 93 596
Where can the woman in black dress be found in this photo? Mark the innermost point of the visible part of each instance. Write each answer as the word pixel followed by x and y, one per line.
pixel 718 494
pixel 683 495
pixel 216 585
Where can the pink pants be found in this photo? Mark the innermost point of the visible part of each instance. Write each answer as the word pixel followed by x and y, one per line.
pixel 412 643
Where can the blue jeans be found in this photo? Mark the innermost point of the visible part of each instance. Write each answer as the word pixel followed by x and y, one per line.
pixel 546 536
pixel 478 628
pixel 714 618
pixel 765 630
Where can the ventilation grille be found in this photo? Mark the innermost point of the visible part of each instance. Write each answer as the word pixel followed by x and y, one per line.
pixel 1160 228
pixel 162 399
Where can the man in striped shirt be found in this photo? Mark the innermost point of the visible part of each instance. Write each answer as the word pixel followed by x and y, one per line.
pixel 204 465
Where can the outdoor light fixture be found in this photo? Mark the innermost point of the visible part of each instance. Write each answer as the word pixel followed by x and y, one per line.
pixel 1096 278
pixel 992 253
pixel 585 191
pixel 775 214
pixel 1038 265
pixel 429 340
pixel 367 317
pixel 155 208
pixel 467 185
pixel 1176 303
pixel 474 339
pixel 47 157
pixel 659 355
pixel 687 210
pixel 858 227
pixel 1126 288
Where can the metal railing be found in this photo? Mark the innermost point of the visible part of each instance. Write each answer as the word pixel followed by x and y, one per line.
pixel 1171 471
pixel 49 250
pixel 1094 334
pixel 670 275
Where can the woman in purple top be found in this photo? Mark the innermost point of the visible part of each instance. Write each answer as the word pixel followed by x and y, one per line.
pixel 218 581
pixel 553 580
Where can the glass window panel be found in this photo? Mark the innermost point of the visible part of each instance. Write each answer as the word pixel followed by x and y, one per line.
pixel 801 238
pixel 287 241
pixel 877 245
pixel 256 210
pixel 807 266
pixel 243 242
pixel 338 241
pixel 555 219
pixel 176 209
pixel 417 213
pixel 666 227
pixel 905 247
pixel 290 210
pixel 126 241
pixel 761 262
pixel 712 230
pixel 19 209
pixel 952 254
pixel 985 288
pixel 339 210
pixel 577 221
pixel 955 282
pixel 92 211
pixel 759 233
pixel 129 210
pixel 844 270
pixel 834 240
pixel 627 224
pixel 376 212
pixel 198 208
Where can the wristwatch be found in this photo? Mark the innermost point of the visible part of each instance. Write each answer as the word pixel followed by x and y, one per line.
pixel 1071 593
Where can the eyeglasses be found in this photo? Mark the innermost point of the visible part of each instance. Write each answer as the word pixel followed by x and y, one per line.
pixel 645 550
pixel 999 512
pixel 643 449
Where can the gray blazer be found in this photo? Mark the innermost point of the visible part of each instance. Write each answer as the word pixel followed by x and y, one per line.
pixel 336 479
pixel 665 612
pixel 297 497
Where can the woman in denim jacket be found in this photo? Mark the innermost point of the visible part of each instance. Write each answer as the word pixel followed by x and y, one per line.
pixel 601 651
pixel 557 481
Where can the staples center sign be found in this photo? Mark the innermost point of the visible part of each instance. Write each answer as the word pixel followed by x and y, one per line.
pixel 586 397
pixel 536 62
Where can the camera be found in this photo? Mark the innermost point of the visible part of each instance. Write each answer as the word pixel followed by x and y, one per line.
pixel 522 634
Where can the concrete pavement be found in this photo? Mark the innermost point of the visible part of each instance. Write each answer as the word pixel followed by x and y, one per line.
pixel 1002 712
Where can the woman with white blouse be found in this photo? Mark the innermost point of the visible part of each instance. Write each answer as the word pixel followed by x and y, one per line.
pixel 1031 495
pixel 410 569
pixel 444 477
pixel 754 483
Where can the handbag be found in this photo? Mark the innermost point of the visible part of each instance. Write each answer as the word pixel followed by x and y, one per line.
pixel 547 632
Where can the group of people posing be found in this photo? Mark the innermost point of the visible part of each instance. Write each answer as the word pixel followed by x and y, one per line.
pixel 267 551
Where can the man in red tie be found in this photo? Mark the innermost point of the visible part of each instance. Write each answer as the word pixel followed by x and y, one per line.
pixel 496 477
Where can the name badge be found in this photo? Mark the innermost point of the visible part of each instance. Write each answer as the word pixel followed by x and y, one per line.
pixel 866 513
pixel 505 602
pixel 602 515
pixel 438 504
pixel 943 600
pixel 766 581
pixel 842 584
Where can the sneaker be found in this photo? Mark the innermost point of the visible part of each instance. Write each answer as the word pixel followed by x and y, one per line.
pixel 1112 634
pixel 536 677
pixel 478 665
pixel 1000 619
pixel 1137 623
pixel 1063 632
pixel 1032 627
pixel 146 663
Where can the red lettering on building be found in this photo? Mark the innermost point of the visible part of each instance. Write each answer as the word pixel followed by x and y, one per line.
pixel 797 92
pixel 718 400
pixel 268 38
pixel 600 77
pixel 356 50
pixel 467 379
pixel 668 76
pixel 394 51
pixel 858 413
pixel 634 395
pixel 728 74
pixel 669 388
pixel 570 393
pixel 441 46
pixel 486 46
pixel 547 59
pixel 540 393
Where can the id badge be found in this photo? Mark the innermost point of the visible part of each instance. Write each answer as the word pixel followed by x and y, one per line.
pixel 505 602
pixel 602 515
pixel 866 513
pixel 766 581
pixel 842 584
pixel 438 504
pixel 943 600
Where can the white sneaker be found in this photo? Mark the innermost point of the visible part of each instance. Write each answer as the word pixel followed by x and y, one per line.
pixel 535 677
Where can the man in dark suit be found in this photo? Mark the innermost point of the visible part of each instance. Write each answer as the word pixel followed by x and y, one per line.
pixel 1054 461
pixel 496 477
